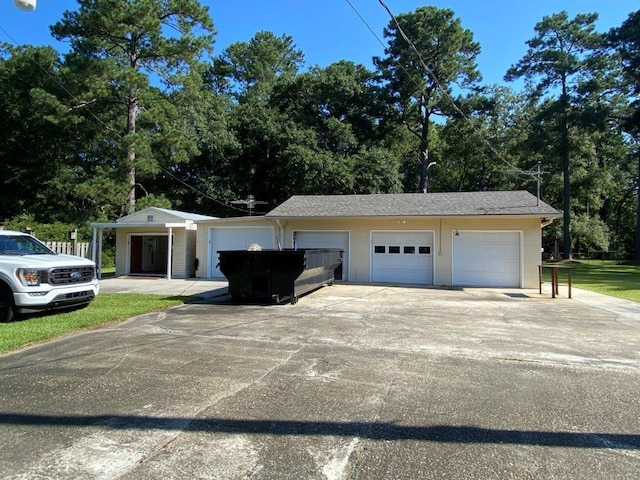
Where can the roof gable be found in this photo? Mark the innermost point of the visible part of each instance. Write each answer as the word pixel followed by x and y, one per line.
pixel 414 204
pixel 162 215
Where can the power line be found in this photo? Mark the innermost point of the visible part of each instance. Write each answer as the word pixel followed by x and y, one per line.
pixel 117 134
pixel 435 80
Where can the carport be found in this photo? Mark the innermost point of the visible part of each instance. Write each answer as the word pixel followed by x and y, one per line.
pixel 152 241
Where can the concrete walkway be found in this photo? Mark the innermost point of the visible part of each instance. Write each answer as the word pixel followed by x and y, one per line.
pixel 206 288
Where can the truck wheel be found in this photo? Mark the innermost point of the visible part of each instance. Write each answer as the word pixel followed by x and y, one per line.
pixel 7 307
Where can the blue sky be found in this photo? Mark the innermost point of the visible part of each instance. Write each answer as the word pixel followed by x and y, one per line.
pixel 330 30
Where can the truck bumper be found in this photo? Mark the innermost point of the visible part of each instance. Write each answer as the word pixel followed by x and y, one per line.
pixel 59 298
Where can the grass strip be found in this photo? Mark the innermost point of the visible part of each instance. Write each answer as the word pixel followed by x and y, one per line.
pixel 106 308
pixel 604 276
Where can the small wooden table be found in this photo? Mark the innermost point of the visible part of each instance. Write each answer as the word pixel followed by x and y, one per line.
pixel 554 278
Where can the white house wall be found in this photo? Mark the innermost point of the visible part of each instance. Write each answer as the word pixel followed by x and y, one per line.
pixel 360 244
pixel 360 239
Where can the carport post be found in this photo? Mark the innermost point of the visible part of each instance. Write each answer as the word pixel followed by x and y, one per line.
pixel 96 253
pixel 169 250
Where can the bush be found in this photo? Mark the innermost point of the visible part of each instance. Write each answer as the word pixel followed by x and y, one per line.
pixel 108 256
pixel 48 232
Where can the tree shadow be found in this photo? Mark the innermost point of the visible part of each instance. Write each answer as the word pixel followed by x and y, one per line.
pixel 377 431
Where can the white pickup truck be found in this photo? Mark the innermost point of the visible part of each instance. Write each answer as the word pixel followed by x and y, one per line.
pixel 33 278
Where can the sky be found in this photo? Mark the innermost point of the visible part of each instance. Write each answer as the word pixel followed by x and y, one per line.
pixel 331 30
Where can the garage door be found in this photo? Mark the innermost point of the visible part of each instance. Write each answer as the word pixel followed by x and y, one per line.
pixel 402 257
pixel 486 259
pixel 235 238
pixel 327 239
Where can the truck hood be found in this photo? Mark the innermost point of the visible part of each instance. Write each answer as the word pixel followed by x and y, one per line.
pixel 45 261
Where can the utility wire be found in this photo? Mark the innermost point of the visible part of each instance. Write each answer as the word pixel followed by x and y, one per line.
pixel 114 132
pixel 435 80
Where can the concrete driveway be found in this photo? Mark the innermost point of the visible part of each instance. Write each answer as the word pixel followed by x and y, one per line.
pixel 357 382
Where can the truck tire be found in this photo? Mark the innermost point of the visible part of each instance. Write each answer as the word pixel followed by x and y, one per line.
pixel 7 306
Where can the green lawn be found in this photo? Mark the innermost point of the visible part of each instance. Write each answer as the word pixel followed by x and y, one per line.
pixel 606 276
pixel 106 308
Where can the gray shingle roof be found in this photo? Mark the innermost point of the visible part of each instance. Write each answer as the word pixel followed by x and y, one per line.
pixel 184 215
pixel 414 204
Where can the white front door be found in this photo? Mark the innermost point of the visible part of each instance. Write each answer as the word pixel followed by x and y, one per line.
pixel 486 259
pixel 235 238
pixel 326 239
pixel 402 257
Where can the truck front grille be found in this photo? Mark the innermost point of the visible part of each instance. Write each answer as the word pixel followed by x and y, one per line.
pixel 71 275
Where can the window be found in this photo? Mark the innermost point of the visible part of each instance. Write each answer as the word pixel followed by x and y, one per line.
pixel 394 249
pixel 149 218
pixel 409 250
pixel 424 250
pixel 379 249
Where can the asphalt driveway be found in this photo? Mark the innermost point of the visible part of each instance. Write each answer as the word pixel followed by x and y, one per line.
pixel 357 382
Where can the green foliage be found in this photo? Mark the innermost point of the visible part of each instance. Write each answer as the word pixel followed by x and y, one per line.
pixel 135 114
pixel 50 232
pixel 419 75
pixel 589 233
pixel 118 45
pixel 106 308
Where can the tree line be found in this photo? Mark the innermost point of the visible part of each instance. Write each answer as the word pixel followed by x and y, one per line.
pixel 138 112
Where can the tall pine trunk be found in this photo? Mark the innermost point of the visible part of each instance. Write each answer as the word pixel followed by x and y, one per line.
pixel 566 192
pixel 132 108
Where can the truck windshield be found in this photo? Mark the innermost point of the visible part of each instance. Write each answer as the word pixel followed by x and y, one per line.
pixel 22 245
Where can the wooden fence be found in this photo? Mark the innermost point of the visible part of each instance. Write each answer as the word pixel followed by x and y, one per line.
pixel 83 249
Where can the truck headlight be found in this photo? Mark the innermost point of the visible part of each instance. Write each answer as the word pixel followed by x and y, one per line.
pixel 29 277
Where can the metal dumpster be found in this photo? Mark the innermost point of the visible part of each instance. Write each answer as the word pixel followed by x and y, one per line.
pixel 277 275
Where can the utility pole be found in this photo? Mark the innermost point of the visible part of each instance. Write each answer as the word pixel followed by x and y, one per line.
pixel 250 202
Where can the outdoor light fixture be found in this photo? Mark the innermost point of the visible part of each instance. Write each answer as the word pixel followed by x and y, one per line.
pixel 26 5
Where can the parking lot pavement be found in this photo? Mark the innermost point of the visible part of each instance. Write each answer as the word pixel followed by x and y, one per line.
pixel 358 382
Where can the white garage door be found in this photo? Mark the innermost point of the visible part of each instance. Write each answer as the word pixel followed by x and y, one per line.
pixel 486 259
pixel 327 239
pixel 235 238
pixel 402 257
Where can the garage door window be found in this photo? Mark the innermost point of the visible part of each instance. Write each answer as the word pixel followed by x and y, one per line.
pixel 405 249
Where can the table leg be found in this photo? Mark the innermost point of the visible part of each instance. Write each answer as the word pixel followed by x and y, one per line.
pixel 540 279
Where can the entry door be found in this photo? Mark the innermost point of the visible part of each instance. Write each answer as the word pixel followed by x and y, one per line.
pixel 135 265
pixel 148 254
pixel 402 257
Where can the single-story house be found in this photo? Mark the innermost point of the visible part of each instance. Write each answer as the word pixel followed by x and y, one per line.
pixel 485 239
pixel 153 241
